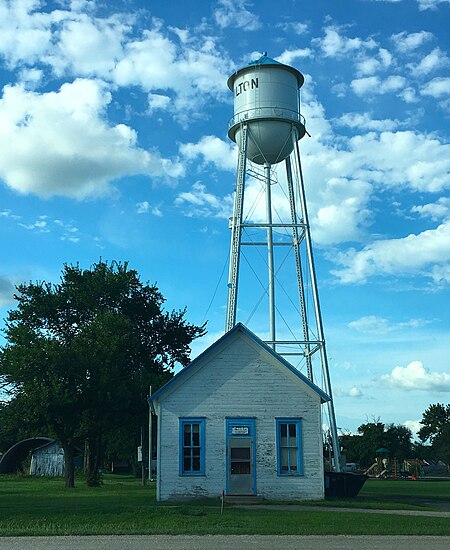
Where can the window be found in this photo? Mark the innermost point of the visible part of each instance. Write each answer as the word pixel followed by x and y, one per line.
pixel 192 446
pixel 289 447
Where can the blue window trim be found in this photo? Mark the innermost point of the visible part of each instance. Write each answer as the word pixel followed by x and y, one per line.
pixel 298 424
pixel 201 423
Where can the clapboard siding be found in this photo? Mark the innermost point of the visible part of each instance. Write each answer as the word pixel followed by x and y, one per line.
pixel 241 379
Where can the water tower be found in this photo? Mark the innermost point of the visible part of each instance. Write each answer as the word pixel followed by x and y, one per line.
pixel 267 126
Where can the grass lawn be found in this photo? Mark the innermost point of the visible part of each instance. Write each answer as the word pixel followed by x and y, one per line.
pixel 38 506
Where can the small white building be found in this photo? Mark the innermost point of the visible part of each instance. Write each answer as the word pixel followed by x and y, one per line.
pixel 48 460
pixel 242 420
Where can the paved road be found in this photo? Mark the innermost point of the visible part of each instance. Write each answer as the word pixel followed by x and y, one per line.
pixel 301 507
pixel 221 542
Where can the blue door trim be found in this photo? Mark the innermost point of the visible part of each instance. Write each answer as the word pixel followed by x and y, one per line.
pixel 241 428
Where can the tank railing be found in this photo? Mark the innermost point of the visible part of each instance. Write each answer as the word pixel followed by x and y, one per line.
pixel 266 112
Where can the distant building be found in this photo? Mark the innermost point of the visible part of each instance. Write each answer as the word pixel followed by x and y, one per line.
pixel 48 460
pixel 242 420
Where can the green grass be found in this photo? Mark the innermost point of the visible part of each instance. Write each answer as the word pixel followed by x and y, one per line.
pixel 38 506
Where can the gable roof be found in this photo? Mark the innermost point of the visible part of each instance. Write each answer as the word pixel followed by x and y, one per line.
pixel 239 327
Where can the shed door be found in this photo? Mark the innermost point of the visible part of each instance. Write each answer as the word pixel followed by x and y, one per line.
pixel 240 466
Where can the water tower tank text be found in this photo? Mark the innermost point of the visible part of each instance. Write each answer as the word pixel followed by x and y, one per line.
pixel 246 85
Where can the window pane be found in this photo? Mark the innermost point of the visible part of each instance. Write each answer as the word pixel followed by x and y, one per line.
pixel 187 464
pixel 196 438
pixel 292 435
pixel 283 435
pixel 196 464
pixel 293 459
pixel 242 453
pixel 187 435
pixel 284 459
pixel 240 468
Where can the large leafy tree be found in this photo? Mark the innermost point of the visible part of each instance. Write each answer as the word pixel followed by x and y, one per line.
pixel 436 429
pixel 81 354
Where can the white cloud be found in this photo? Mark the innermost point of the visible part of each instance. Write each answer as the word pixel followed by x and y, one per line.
pixel 199 203
pixel 408 255
pixel 341 210
pixel 335 44
pixel 371 65
pixel 431 4
pixel 289 56
pixel 416 377
pixel 437 211
pixel 158 101
pixel 401 159
pixel 364 121
pixel 211 149
pixel 58 143
pixel 438 87
pixel 235 13
pixel 188 67
pixel 441 274
pixel 145 207
pixel 437 59
pixel 372 324
pixel 298 28
pixel 375 85
pixel 355 392
pixel 40 225
pixel 413 425
pixel 407 42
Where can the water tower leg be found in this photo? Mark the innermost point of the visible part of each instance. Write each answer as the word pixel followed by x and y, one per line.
pixel 297 239
pixel 270 261
pixel 236 232
pixel 318 314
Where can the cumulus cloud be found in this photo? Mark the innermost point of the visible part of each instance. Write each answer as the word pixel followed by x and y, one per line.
pixel 438 87
pixel 187 67
pixel 235 13
pixel 410 255
pixel 211 149
pixel 407 42
pixel 58 143
pixel 288 57
pixel 364 121
pixel 402 158
pixel 436 211
pixel 336 44
pixel 437 59
pixel 370 65
pixel 375 85
pixel 198 202
pixel 416 377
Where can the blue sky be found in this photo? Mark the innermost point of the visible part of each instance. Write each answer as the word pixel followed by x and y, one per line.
pixel 113 119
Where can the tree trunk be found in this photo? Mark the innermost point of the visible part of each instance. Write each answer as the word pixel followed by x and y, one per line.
pixel 69 468
pixel 93 461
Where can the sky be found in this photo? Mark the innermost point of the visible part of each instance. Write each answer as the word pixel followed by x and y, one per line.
pixel 113 145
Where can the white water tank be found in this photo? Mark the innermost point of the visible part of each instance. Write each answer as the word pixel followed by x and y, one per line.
pixel 266 97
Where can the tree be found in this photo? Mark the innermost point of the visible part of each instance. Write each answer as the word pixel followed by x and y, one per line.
pixel 436 429
pixel 371 436
pixel 81 354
